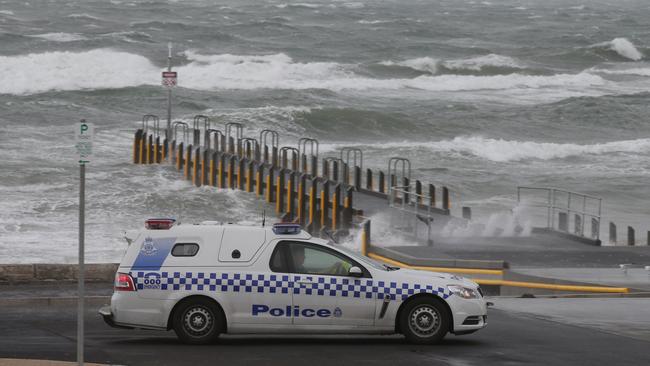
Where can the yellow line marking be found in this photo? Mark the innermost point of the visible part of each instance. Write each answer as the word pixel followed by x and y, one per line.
pixel 496 272
pixel 549 286
pixel 483 281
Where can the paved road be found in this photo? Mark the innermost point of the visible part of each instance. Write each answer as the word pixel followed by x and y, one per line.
pixel 510 339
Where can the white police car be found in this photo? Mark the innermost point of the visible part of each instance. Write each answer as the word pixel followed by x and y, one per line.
pixel 203 280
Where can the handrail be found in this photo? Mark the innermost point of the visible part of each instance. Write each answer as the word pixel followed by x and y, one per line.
pixel 552 206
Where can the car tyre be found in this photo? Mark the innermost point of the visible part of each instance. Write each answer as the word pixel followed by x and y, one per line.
pixel 424 321
pixel 198 321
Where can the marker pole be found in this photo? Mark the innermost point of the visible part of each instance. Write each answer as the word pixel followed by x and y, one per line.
pixel 80 301
pixel 169 94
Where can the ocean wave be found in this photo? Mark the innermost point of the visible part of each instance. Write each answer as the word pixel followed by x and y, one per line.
pixel 7 12
pixel 298 5
pixel 633 71
pixel 479 63
pixel 60 37
pixel 426 64
pixel 108 69
pixel 623 47
pixel 83 16
pixel 500 150
pixel 279 71
pixel 96 69
pixel 363 21
pixel 129 36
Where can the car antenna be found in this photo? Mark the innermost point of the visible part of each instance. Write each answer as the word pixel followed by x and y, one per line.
pixel 263 217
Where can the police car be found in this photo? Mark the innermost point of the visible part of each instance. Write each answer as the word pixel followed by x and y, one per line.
pixel 208 279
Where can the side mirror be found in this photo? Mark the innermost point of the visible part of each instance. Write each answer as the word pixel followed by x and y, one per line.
pixel 355 272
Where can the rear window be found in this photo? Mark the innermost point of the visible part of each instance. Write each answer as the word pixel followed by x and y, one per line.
pixel 185 250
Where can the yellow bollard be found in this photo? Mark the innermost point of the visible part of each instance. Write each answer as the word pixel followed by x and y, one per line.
pixel 212 182
pixel 312 203
pixel 179 157
pixel 148 146
pixel 220 172
pixel 231 172
pixel 258 181
pixel 142 150
pixel 249 178
pixel 289 196
pixel 188 161
pixel 156 150
pixel 301 194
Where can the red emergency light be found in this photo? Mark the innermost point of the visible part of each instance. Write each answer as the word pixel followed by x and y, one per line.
pixel 159 224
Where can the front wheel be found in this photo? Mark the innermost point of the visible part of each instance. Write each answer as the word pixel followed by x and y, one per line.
pixel 198 321
pixel 424 321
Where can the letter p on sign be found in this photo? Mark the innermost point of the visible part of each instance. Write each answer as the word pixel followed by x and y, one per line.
pixel 84 133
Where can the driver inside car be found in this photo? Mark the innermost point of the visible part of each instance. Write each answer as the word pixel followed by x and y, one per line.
pixel 341 267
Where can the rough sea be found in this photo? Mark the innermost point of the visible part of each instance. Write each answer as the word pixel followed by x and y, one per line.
pixel 481 96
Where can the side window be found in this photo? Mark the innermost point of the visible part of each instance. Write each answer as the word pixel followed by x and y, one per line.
pixel 279 259
pixel 310 259
pixel 185 249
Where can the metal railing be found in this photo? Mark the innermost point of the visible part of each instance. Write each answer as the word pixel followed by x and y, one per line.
pixel 588 207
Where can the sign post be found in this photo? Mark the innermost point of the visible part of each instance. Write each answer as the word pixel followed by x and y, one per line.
pixel 169 80
pixel 84 133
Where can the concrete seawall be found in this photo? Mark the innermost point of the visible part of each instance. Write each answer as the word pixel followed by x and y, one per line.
pixel 19 273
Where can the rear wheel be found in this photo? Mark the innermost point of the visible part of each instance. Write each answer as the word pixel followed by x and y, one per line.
pixel 198 321
pixel 424 321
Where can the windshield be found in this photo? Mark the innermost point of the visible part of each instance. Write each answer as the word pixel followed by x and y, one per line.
pixel 363 259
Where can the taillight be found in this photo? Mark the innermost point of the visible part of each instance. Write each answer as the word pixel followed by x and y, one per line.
pixel 124 282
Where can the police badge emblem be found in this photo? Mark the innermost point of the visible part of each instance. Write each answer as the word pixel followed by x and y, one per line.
pixel 148 248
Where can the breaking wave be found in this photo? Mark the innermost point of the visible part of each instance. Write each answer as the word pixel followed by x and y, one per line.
pixel 426 64
pixel 107 69
pixel 96 69
pixel 499 150
pixel 279 71
pixel 432 65
pixel 481 62
pixel 634 71
pixel 623 47
pixel 60 37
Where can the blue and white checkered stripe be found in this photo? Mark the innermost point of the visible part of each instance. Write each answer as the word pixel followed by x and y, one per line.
pixel 285 284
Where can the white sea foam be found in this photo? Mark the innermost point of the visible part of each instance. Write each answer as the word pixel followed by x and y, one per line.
pixel 431 65
pixel 82 16
pixel 7 12
pixel 96 69
pixel 60 37
pixel 623 47
pixel 363 21
pixel 105 69
pixel 354 5
pixel 633 71
pixel 299 5
pixel 478 63
pixel 278 71
pixel 500 150
pixel 426 64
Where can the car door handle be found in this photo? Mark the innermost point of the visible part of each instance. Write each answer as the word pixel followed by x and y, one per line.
pixel 305 282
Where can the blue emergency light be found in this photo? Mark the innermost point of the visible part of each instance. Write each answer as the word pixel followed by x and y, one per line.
pixel 286 229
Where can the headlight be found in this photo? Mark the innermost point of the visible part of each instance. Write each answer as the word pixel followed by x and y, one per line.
pixel 464 292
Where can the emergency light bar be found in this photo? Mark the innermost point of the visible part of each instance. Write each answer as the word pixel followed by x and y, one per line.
pixel 286 229
pixel 159 224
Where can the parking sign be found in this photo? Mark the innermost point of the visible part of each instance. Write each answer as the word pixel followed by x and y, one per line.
pixel 84 133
